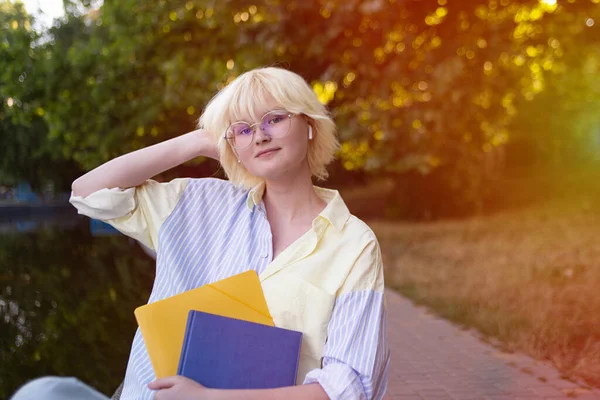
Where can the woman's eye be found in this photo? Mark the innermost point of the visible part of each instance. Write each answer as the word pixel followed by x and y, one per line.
pixel 275 120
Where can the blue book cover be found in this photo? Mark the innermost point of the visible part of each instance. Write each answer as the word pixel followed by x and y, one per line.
pixel 226 353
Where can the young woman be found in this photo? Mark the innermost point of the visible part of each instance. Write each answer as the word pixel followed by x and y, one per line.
pixel 320 267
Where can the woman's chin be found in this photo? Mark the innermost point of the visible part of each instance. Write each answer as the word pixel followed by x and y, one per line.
pixel 277 169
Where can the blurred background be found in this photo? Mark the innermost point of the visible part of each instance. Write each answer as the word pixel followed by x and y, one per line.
pixel 470 136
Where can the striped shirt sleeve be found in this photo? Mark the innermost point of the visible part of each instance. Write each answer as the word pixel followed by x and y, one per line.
pixel 356 356
pixel 136 212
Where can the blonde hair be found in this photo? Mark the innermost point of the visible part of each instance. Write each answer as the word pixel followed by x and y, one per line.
pixel 244 96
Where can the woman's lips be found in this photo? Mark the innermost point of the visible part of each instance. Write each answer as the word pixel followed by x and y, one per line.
pixel 266 153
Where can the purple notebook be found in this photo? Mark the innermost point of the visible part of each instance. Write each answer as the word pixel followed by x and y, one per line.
pixel 227 353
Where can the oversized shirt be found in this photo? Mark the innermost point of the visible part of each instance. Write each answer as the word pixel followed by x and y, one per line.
pixel 328 284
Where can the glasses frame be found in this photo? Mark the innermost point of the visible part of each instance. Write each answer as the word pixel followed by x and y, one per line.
pixel 253 127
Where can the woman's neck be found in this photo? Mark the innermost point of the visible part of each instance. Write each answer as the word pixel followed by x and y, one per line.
pixel 292 200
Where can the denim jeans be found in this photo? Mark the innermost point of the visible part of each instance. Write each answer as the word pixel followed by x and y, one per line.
pixel 57 388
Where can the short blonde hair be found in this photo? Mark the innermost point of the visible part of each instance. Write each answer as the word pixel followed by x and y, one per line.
pixel 244 96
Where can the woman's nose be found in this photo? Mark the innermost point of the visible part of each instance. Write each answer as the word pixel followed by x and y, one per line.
pixel 260 136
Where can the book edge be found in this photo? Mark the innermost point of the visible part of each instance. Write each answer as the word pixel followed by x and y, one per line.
pixel 186 341
pixel 298 360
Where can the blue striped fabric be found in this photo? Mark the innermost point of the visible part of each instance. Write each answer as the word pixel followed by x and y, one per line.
pixel 356 356
pixel 212 226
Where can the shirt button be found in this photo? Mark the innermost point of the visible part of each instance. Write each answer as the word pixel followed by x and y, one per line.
pixel 265 255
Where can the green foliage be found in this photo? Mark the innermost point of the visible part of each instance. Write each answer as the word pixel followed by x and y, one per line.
pixel 561 126
pixel 428 86
pixel 25 151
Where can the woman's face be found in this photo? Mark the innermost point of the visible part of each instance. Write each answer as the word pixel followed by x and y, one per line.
pixel 277 144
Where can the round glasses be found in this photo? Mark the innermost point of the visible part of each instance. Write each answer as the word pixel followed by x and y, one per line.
pixel 275 124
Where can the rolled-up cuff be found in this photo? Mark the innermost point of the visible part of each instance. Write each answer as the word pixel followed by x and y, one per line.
pixel 105 204
pixel 339 381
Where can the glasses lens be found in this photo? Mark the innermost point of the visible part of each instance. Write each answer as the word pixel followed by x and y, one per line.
pixel 240 135
pixel 276 124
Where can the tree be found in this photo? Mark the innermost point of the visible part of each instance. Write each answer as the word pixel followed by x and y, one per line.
pixel 423 92
pixel 564 129
pixel 23 131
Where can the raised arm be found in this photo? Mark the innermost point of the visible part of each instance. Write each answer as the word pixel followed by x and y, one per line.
pixel 135 168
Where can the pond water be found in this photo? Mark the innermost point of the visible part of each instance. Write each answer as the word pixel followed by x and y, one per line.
pixel 67 295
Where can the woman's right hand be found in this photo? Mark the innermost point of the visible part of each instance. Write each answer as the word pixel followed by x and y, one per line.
pixel 206 145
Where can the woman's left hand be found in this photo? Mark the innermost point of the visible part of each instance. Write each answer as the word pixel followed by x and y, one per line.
pixel 178 388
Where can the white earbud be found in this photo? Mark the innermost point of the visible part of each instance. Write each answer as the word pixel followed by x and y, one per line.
pixel 309 132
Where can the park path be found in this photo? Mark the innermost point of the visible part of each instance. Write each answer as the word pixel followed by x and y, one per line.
pixel 432 359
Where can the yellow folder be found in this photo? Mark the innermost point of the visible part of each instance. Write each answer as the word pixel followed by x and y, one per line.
pixel 163 322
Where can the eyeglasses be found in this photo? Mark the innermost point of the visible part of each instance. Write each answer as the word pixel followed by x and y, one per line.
pixel 275 124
